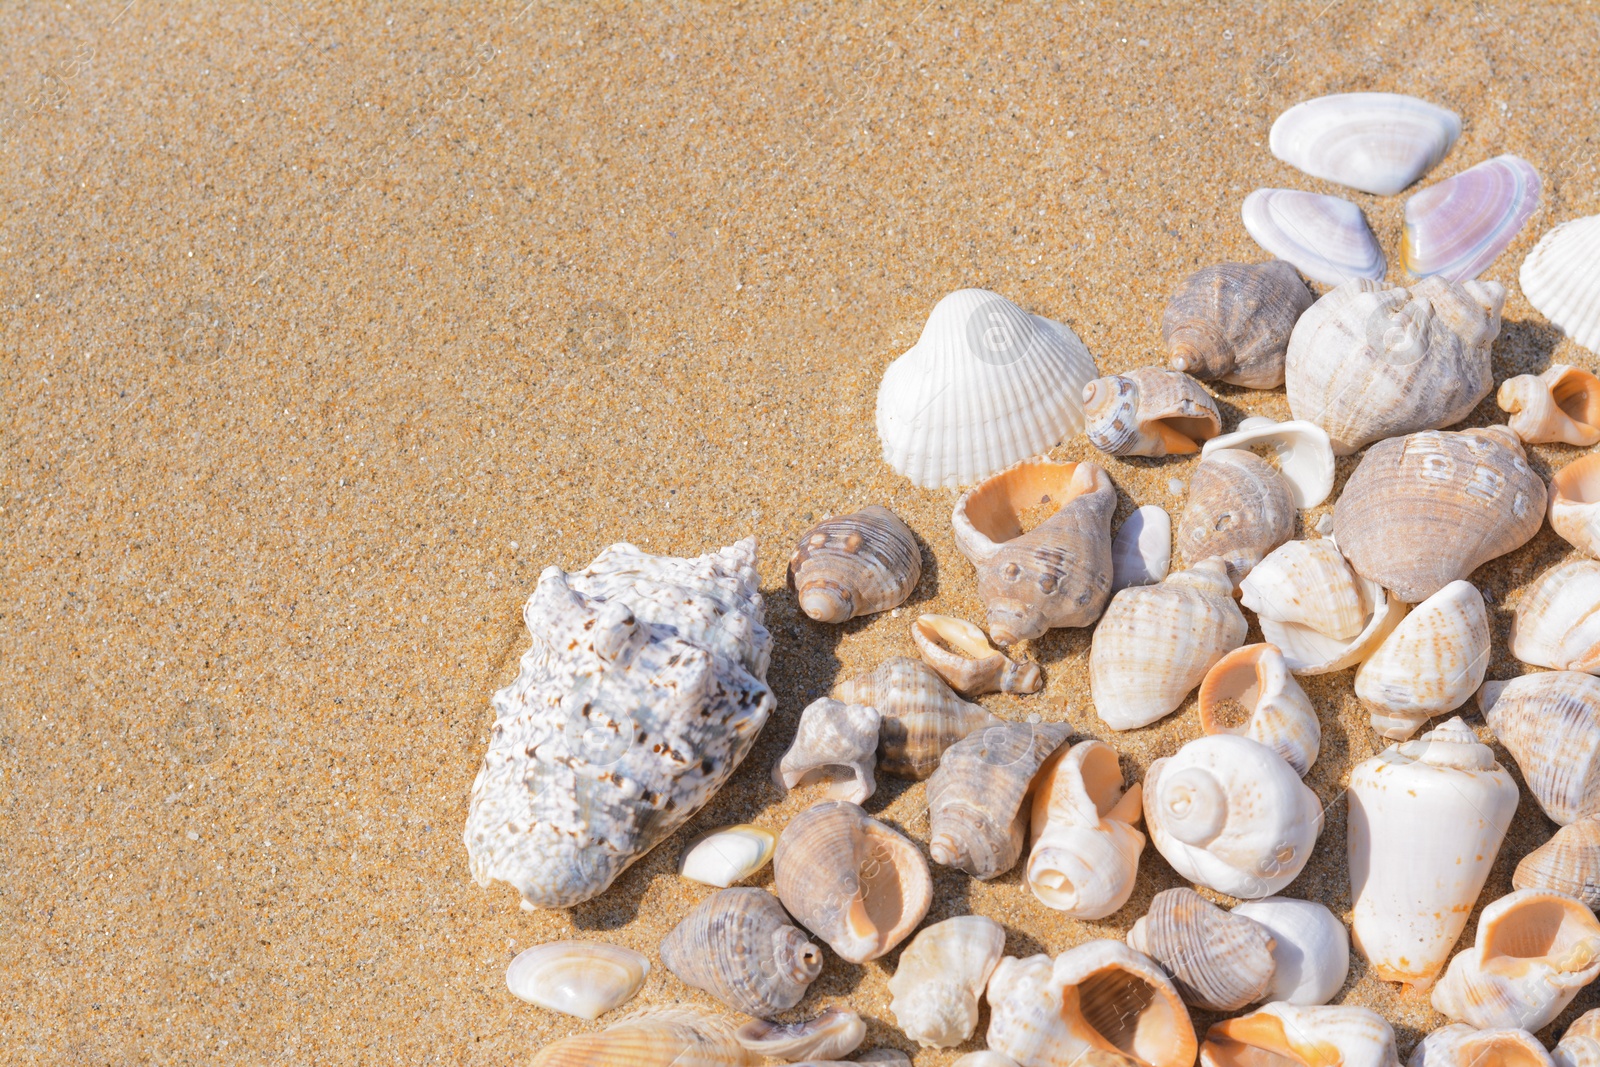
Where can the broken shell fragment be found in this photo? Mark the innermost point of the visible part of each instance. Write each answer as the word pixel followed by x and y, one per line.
pixel 581 978
pixel 723 857
pixel 1326 237
pixel 1250 692
pixel 1457 227
pixel 1458 1045
pixel 836 743
pixel 1149 412
pixel 1318 612
pixel 1432 662
pixel 1303 450
pixel 655 1037
pixel 1086 843
pixel 836 1032
pixel 978 822
pixel 1567 863
pixel 1557 623
pixel 854 565
pixel 1239 509
pixel 1376 142
pixel 1232 322
pixel 1141 554
pixel 1561 277
pixel 1310 948
pixel 1293 1035
pixel 940 977
pixel 1560 405
pixel 1218 960
pixel 921 716
pixel 962 655
pixel 739 946
pixel 1575 504
pixel 1550 723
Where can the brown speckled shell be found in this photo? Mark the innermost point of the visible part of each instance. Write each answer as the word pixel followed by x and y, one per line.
pixel 1232 322
pixel 855 564
pixel 1239 508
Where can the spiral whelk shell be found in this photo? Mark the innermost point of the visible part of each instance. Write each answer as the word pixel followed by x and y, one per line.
pixel 1560 405
pixel 1376 142
pixel 656 1037
pixel 1431 663
pixel 836 743
pixel 1239 509
pixel 975 799
pixel 854 565
pixel 1561 277
pixel 1310 948
pixel 1086 842
pixel 1219 961
pixel 940 977
pixel 1458 1045
pixel 1293 1035
pixel 1149 412
pixel 1303 450
pixel 731 854
pixel 920 716
pixel 1550 723
pixel 1580 1045
pixel 1557 623
pixel 1326 237
pixel 1575 504
pixel 1277 713
pixel 1568 863
pixel 1317 611
pixel 581 978
pixel 1232 322
pixel 962 655
pixel 1456 228
pixel 739 946
pixel 836 1032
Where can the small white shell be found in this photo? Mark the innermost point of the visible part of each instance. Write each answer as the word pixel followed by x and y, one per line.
pixel 1457 227
pixel 941 975
pixel 836 743
pixel 1458 1045
pixel 1303 450
pixel 1280 715
pixel 1432 662
pixel 1575 504
pixel 1313 606
pixel 1557 622
pixel 1325 237
pixel 1086 844
pixel 1580 1045
pixel 1141 554
pixel 581 978
pixel 1309 945
pixel 1561 277
pixel 1560 405
pixel 1292 1035
pixel 731 854
pixel 1376 142
pixel 962 655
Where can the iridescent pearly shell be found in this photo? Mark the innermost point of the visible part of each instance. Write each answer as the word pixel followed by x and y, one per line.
pixel 1458 1045
pixel 1430 664
pixel 940 977
pixel 1141 554
pixel 1567 863
pixel 1457 227
pixel 851 880
pixel 1580 1045
pixel 1293 1035
pixel 1086 844
pixel 1557 622
pixel 731 854
pixel 1039 536
pixel 1232 322
pixel 1372 360
pixel 836 1032
pixel 1560 405
pixel 1219 961
pixel 1575 504
pixel 835 743
pixel 1302 449
pixel 739 946
pixel 1561 277
pixel 581 978
pixel 986 385
pixel 854 565
pixel 962 655
pixel 1321 614
pixel 975 799
pixel 1310 949
pixel 1239 509
pixel 1150 411
pixel 1376 142
pixel 921 716
pixel 1425 510
pixel 1326 238
pixel 1250 693
pixel 655 1037
pixel 1550 723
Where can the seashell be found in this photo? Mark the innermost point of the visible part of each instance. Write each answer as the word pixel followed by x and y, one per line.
pixel 731 854
pixel 975 799
pixel 851 880
pixel 891 1056
pixel 1430 664
pixel 1550 723
pixel 1372 360
pixel 987 1058
pixel 1580 1045
pixel 1319 613
pixel 1149 412
pixel 1559 278
pixel 1232 322
pixel 1560 405
pixel 1557 623
pixel 1462 1046
pixel 836 1032
pixel 836 743
pixel 1376 142
pixel 1575 504
pixel 1101 997
pixel 1426 820
pixel 1534 951
pixel 1239 508
pixel 1294 1035
pixel 1218 961
pixel 1425 510
pixel 643 691
pixel 1156 643
pixel 1568 863
pixel 1310 949
pixel 856 564
pixel 921 716
pixel 656 1037
pixel 1086 845
pixel 941 975
pixel 962 655
pixel 1325 237
pixel 1250 692
pixel 1141 553
pixel 987 384
pixel 739 946
pixel 1057 572
pixel 581 978
pixel 1228 813
pixel 1456 228
pixel 1303 451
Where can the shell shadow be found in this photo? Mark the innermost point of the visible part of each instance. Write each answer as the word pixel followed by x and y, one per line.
pixel 1523 347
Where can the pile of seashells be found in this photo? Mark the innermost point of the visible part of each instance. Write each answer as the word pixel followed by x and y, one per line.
pixel 645 686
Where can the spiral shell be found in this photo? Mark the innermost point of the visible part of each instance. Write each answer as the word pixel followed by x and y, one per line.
pixel 656 1037
pixel 962 655
pixel 1432 662
pixel 1560 405
pixel 1550 723
pixel 1575 504
pixel 1310 948
pixel 1319 613
pixel 1458 1045
pixel 1086 844
pixel 940 977
pixel 1149 412
pixel 836 1032
pixel 920 715
pixel 1568 863
pixel 1219 961
pixel 836 743
pixel 975 798
pixel 581 978
pixel 1292 1035
pixel 1580 1045
pixel 1557 623
pixel 1232 322
pixel 739 946
pixel 854 565
pixel 1239 508
pixel 1256 681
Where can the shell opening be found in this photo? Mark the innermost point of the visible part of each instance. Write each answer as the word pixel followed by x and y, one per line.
pixel 1546 927
pixel 955 635
pixel 1577 392
pixel 1579 481
pixel 1102 778
pixel 1194 805
pixel 1126 1011
pixel 1017 500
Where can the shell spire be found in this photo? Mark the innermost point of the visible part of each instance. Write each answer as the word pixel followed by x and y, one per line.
pixel 855 565
pixel 1232 322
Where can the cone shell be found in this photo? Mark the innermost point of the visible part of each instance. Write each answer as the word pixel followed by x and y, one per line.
pixel 1462 1046
pixel 581 978
pixel 1141 554
pixel 1086 844
pixel 1239 508
pixel 976 798
pixel 836 1032
pixel 658 1037
pixel 1432 662
pixel 1550 723
pixel 1575 504
pixel 1562 405
pixel 1219 961
pixel 921 716
pixel 1567 863
pixel 1156 643
pixel 739 946
pixel 1149 412
pixel 731 854
pixel 851 880
pixel 941 976
pixel 987 384
pixel 1056 573
pixel 1557 622
pixel 837 743
pixel 1423 511
pixel 1376 142
pixel 1535 950
pixel 1457 227
pixel 1232 322
pixel 1426 820
pixel 962 656
pixel 1310 948
pixel 1561 277
pixel 1303 450
pixel 1254 682
pixel 1292 1035
pixel 1326 237
pixel 1319 613
pixel 1580 1045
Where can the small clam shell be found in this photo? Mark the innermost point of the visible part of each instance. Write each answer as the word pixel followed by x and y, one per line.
pixel 1306 598
pixel 1458 1045
pixel 1310 948
pixel 836 743
pixel 1086 847
pixel 656 1037
pixel 1055 573
pixel 1458 227
pixel 1561 277
pixel 1232 322
pixel 1326 238
pixel 731 854
pixel 941 976
pixel 581 978
pixel 1239 508
pixel 1557 622
pixel 1550 723
pixel 836 1032
pixel 1567 863
pixel 975 798
pixel 1219 961
pixel 1303 450
pixel 1560 405
pixel 962 655
pixel 854 565
pixel 1254 682
pixel 1575 504
pixel 739 946
pixel 1294 1035
pixel 921 715
pixel 1376 142
pixel 1580 1045
pixel 851 880
pixel 1149 412
pixel 1141 554
pixel 1432 662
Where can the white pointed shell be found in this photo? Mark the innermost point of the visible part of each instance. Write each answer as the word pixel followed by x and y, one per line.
pixel 1311 948
pixel 1303 450
pixel 1326 238
pixel 987 384
pixel 856 564
pixel 1560 405
pixel 654 1037
pixel 977 820
pixel 1561 277
pixel 739 946
pixel 1457 227
pixel 921 715
pixel 1230 814
pixel 1293 1035
pixel 1557 622
pixel 1141 554
pixel 1432 662
pixel 581 978
pixel 1239 508
pixel 836 743
pixel 1232 322
pixel 1534 951
pixel 1567 863
pixel 731 854
pixel 1550 723
pixel 1279 714
pixel 1426 820
pixel 1101 998
pixel 1372 360
pixel 1150 411
pixel 1575 504
pixel 1458 1045
pixel 1156 642
pixel 1376 142
pixel 836 1032
pixel 941 976
pixel 1219 960
pixel 1580 1045
pixel 1086 843
pixel 962 655
pixel 632 654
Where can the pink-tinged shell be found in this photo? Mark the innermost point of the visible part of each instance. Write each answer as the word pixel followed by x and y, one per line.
pixel 1326 238
pixel 1460 225
pixel 1376 142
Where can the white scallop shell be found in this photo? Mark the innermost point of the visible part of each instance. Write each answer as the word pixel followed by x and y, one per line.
pixel 940 978
pixel 731 854
pixel 1561 277
pixel 1326 238
pixel 581 978
pixel 1303 450
pixel 1458 227
pixel 1376 142
pixel 1310 948
pixel 1557 623
pixel 986 385
pixel 1141 554
pixel 1432 662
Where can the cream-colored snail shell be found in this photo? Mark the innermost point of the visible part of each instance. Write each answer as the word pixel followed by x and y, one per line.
pixel 1567 863
pixel 581 978
pixel 1575 504
pixel 1426 820
pixel 1232 322
pixel 977 819
pixel 1458 1045
pixel 1100 998
pixel 1318 612
pixel 1310 948
pixel 851 880
pixel 941 976
pixel 836 1032
pixel 1239 508
pixel 1295 1035
pixel 1219 961
pixel 1580 1045
pixel 654 1037
pixel 1058 573
pixel 1141 553
pixel 856 564
pixel 1557 622
pixel 1561 405
pixel 962 655
pixel 835 743
pixel 1302 449
pixel 1229 813
pixel 1086 843
pixel 1256 681
pixel 739 946
pixel 727 855
pixel 1534 951
pixel 1430 664
pixel 1550 723
pixel 921 716
pixel 1149 412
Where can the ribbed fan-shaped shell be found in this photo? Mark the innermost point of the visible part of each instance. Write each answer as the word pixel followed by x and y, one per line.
pixel 1567 863
pixel 1239 508
pixel 1150 411
pixel 656 1037
pixel 1560 405
pixel 1550 723
pixel 1432 662
pixel 739 946
pixel 1561 277
pixel 1232 322
pixel 1376 142
pixel 1326 238
pixel 977 819
pixel 921 715
pixel 1557 622
pixel 854 565
pixel 1219 961
pixel 1456 228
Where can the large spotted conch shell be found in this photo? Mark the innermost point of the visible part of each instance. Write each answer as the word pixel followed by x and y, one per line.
pixel 1086 841
pixel 1150 411
pixel 856 564
pixel 1232 322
